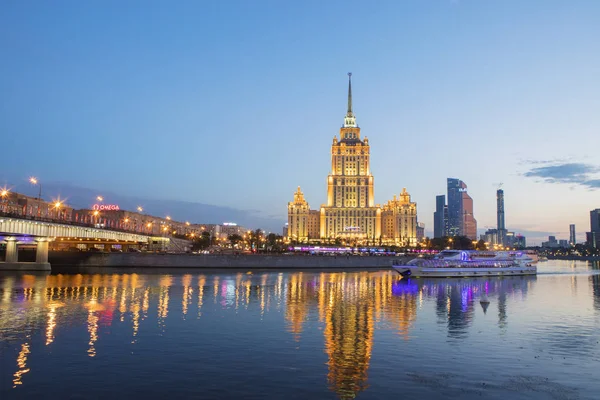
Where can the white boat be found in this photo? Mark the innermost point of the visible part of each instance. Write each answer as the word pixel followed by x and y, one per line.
pixel 463 263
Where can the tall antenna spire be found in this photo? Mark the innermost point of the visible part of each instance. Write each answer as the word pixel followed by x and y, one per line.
pixel 350 119
pixel 349 93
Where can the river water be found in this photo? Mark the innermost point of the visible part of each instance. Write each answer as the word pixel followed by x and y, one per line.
pixel 301 335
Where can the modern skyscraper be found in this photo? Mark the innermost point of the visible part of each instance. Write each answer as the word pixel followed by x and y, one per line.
pixel 500 216
pixel 500 208
pixel 595 220
pixel 572 238
pixel 440 217
pixel 455 206
pixel 593 237
pixel 469 224
pixel 461 221
pixel 350 213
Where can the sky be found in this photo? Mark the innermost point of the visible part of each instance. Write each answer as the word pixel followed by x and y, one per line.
pixel 235 103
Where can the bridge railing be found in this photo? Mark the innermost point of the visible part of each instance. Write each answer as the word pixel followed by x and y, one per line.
pixel 69 222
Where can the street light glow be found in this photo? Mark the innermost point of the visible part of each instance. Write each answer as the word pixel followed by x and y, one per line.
pixel 33 180
pixel 140 209
pixel 100 198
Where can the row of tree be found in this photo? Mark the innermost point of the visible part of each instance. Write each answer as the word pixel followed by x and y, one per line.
pixel 255 240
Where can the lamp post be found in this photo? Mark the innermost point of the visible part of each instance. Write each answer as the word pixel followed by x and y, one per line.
pixel 4 192
pixel 34 181
pixel 57 206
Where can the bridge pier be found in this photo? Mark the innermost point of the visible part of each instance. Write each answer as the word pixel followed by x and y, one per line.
pixel 41 253
pixel 12 263
pixel 12 250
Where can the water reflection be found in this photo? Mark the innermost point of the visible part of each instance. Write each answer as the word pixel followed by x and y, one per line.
pixel 595 283
pixel 348 307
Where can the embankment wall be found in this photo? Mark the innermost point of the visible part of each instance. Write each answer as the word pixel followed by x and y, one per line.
pixel 153 260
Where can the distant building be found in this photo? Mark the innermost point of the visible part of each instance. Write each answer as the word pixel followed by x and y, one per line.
pixel 563 243
pixel 490 237
pixel 399 221
pixel 457 218
pixel 595 220
pixel 22 205
pixel 572 237
pixel 440 217
pixel 298 211
pixel 593 237
pixel 350 213
pixel 500 217
pixel 455 188
pixel 285 230
pixel 551 243
pixel 469 224
pixel 420 231
pixel 520 241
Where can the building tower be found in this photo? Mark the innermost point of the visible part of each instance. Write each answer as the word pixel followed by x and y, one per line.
pixel 350 212
pixel 593 237
pixel 298 211
pixel 469 224
pixel 461 221
pixel 455 206
pixel 399 221
pixel 572 238
pixel 500 217
pixel 440 217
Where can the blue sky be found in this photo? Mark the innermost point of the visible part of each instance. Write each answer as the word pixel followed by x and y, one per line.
pixel 235 103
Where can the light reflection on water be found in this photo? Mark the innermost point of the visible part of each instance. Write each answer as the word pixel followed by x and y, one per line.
pixel 301 334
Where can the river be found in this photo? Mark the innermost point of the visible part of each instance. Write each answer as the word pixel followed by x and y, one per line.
pixel 300 335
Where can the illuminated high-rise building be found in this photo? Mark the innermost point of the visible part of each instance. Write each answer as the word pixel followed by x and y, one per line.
pixel 572 237
pixel 440 217
pixel 469 224
pixel 399 221
pixel 461 221
pixel 350 213
pixel 501 227
pixel 298 211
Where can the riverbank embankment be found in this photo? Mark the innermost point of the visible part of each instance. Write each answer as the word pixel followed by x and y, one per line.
pixel 244 261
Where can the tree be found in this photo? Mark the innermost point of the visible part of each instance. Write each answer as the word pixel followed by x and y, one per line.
pixel 202 242
pixel 481 245
pixel 255 238
pixel 234 239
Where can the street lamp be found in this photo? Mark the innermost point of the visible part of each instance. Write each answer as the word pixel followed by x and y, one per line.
pixel 140 209
pixel 100 198
pixel 4 194
pixel 57 205
pixel 34 181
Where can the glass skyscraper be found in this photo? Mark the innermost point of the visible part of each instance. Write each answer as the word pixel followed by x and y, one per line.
pixel 440 217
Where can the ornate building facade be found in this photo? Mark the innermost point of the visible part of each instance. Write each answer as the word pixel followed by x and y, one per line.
pixel 350 213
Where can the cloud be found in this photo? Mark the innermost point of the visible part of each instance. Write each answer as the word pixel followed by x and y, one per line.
pixel 573 173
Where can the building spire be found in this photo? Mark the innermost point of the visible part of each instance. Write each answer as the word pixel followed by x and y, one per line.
pixel 349 93
pixel 350 119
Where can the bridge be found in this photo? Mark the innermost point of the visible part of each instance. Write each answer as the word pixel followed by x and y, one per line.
pixel 16 231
